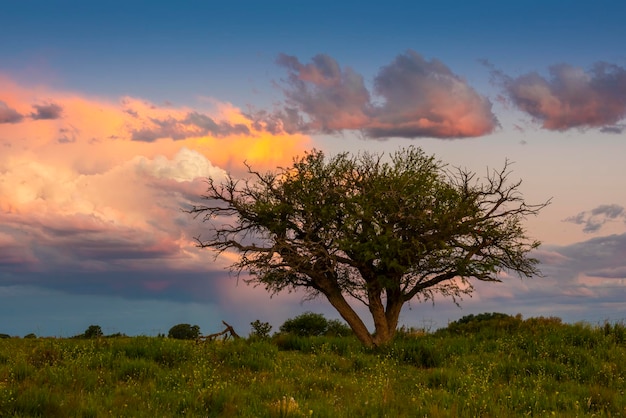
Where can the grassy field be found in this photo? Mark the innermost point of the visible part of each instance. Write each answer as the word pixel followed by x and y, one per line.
pixel 483 367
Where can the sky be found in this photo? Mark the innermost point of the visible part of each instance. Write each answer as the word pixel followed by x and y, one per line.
pixel 113 115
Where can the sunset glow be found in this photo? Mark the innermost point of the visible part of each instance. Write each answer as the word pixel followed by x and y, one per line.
pixel 110 126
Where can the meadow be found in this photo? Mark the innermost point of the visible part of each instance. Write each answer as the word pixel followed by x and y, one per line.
pixel 483 366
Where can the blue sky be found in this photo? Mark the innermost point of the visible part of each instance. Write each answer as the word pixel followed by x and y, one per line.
pixel 112 113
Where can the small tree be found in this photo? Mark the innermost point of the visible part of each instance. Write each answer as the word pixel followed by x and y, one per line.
pixel 260 330
pixel 307 324
pixel 358 228
pixel 94 331
pixel 184 332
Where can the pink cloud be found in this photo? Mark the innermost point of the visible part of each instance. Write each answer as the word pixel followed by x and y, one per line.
pixel 420 98
pixel 571 97
pixel 79 194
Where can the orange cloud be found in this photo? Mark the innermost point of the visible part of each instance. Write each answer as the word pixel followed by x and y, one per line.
pixel 79 189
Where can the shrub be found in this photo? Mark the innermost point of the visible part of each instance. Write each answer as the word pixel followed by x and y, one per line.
pixel 307 324
pixel 336 328
pixel 184 332
pixel 260 330
pixel 491 322
pixel 94 331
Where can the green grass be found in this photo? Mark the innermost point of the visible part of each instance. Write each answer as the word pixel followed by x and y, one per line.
pixel 487 367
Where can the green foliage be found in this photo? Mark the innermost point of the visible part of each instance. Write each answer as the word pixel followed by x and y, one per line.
pixel 311 324
pixel 31 335
pixel 542 368
pixel 485 322
pixel 260 330
pixel 379 229
pixel 93 331
pixel 306 325
pixel 184 332
pixel 337 328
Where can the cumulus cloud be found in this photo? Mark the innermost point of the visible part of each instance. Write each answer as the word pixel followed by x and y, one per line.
pixel 187 165
pixel 47 111
pixel 80 196
pixel 571 97
pixel 412 97
pixel 9 115
pixel 594 219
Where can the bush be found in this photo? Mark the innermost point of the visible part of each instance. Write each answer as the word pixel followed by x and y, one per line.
pixel 336 328
pixel 308 324
pixel 184 332
pixel 94 331
pixel 260 330
pixel 485 322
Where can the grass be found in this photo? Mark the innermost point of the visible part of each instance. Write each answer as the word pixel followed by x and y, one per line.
pixel 486 367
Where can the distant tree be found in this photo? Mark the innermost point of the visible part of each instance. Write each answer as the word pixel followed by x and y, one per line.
pixel 306 325
pixel 94 331
pixel 4 336
pixel 260 330
pixel 29 336
pixel 361 228
pixel 184 332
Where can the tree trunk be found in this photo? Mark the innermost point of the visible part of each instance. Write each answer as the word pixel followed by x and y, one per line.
pixel 379 316
pixel 332 291
pixel 354 321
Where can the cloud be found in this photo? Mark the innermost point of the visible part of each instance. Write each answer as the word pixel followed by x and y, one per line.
pixel 9 115
pixel 47 111
pixel 194 124
pixel 596 264
pixel 412 97
pixel 80 198
pixel 571 97
pixel 187 165
pixel 425 98
pixel 594 219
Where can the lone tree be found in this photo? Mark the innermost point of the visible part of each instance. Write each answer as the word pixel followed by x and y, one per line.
pixel 362 228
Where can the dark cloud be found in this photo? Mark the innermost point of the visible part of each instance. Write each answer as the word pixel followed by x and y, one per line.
pixel 182 286
pixel 287 120
pixel 9 115
pixel 414 98
pixel 47 111
pixel 612 129
pixel 571 97
pixel 594 219
pixel 194 124
pixel 598 257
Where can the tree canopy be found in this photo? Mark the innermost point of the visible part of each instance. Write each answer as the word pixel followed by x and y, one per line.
pixel 370 229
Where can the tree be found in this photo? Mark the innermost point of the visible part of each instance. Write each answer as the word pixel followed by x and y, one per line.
pixel 369 229
pixel 308 324
pixel 184 332
pixel 260 330
pixel 94 331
